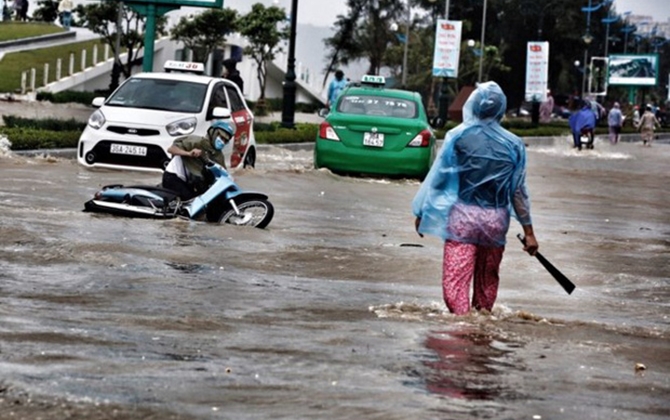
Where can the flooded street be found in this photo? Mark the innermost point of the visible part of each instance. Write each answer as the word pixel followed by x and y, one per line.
pixel 335 310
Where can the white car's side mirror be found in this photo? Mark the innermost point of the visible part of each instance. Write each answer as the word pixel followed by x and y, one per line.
pixel 98 101
pixel 221 113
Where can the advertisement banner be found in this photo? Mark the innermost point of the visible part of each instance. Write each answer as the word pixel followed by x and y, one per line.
pixel 633 69
pixel 447 48
pixel 537 71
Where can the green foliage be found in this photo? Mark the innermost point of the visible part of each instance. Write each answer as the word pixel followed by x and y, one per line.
pixel 101 18
pixel 49 124
pixel 70 96
pixel 206 31
pixel 47 11
pixel 23 138
pixel 13 64
pixel 260 27
pixel 277 104
pixel 16 30
pixel 365 33
pixel 303 133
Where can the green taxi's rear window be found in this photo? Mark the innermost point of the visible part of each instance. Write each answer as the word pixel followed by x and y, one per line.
pixel 377 106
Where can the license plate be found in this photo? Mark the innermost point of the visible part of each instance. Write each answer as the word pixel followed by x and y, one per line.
pixel 123 149
pixel 373 139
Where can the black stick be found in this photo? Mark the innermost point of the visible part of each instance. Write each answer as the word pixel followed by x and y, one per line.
pixel 560 277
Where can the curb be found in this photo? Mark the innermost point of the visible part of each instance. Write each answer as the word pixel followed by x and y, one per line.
pixel 37 39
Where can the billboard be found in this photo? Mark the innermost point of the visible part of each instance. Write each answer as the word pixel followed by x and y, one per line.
pixel 447 48
pixel 537 71
pixel 633 70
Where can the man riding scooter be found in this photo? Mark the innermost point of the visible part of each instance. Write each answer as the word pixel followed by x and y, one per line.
pixel 583 123
pixel 185 173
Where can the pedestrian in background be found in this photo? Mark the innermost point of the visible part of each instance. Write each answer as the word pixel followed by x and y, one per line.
pixel 467 199
pixel 615 121
pixel 547 108
pixel 231 73
pixel 23 11
pixel 636 116
pixel 65 12
pixel 647 125
pixel 335 88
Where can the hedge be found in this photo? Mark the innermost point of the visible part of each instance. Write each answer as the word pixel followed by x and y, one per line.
pixel 31 138
pixel 29 134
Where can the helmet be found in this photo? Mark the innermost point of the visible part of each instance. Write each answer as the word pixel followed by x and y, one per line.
pixel 220 133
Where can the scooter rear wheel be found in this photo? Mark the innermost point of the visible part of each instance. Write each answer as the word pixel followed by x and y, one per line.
pixel 254 212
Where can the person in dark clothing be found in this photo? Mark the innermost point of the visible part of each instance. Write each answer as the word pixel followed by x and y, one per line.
pixel 231 73
pixel 185 172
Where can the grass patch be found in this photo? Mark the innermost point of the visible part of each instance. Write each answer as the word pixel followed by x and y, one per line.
pixel 13 64
pixel 10 31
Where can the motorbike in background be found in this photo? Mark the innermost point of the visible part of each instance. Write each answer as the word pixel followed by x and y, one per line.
pixel 223 202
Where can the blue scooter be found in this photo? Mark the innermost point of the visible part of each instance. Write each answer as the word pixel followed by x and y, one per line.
pixel 223 202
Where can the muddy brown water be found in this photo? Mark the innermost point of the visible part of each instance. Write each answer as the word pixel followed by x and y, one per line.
pixel 335 310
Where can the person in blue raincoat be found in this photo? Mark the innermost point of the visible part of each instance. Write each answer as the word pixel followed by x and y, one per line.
pixel 468 197
pixel 582 122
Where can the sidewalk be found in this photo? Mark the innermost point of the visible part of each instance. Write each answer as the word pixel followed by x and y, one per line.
pixel 44 41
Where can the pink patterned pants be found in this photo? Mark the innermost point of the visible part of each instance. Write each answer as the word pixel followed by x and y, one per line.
pixel 462 262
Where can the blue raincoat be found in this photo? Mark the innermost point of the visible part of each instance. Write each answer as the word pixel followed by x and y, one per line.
pixel 480 165
pixel 582 119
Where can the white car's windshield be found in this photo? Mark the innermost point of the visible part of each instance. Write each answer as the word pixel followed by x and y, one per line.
pixel 160 94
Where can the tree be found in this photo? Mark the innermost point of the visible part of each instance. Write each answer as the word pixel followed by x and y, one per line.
pixel 364 33
pixel 206 31
pixel 261 27
pixel 47 11
pixel 101 18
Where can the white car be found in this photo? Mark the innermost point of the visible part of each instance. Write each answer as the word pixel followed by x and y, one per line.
pixel 133 128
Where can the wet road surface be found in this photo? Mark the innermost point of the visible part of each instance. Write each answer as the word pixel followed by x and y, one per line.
pixel 335 310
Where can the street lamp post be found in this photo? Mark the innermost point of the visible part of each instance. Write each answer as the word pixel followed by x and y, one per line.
pixel 443 104
pixel 405 50
pixel 481 44
pixel 288 107
pixel 607 21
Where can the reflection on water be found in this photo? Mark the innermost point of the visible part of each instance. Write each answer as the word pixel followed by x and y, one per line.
pixel 467 364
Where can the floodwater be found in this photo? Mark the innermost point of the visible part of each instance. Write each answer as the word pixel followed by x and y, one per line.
pixel 335 310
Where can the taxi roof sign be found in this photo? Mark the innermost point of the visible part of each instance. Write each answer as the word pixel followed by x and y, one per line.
pixel 373 80
pixel 184 66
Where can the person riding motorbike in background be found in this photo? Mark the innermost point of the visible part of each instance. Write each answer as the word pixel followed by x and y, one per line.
pixel 186 174
pixel 582 122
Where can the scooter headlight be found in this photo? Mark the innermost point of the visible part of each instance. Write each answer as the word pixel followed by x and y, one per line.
pixel 96 120
pixel 182 127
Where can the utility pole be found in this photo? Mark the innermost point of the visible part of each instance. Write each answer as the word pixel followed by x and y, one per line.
pixel 288 108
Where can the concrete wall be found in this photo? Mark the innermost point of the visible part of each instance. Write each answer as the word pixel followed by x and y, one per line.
pixel 97 77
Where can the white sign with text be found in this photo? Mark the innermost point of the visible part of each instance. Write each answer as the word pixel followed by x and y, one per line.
pixel 537 71
pixel 447 48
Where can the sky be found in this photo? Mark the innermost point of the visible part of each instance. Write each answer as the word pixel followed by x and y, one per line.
pixel 324 12
pixel 659 10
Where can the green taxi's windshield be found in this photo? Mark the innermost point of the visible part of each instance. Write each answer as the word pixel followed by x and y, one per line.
pixel 160 94
pixel 377 106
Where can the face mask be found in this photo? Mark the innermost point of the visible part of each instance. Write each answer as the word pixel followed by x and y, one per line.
pixel 219 143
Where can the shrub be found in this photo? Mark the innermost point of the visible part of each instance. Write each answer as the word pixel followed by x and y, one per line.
pixel 70 96
pixel 48 124
pixel 30 138
pixel 303 133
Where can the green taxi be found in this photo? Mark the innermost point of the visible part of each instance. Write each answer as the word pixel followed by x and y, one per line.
pixel 372 130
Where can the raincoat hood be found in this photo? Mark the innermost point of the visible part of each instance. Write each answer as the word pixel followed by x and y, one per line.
pixel 487 102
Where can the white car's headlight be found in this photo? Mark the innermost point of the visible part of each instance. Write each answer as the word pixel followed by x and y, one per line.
pixel 96 120
pixel 182 127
